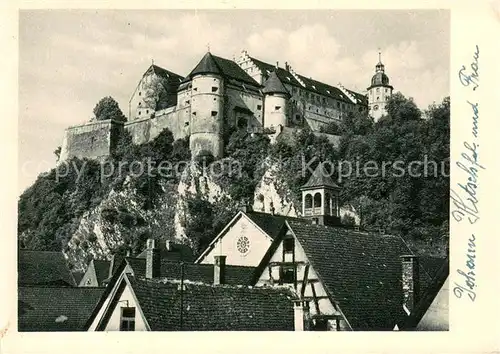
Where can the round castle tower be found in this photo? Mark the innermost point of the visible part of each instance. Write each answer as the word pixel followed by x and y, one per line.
pixel 207 108
pixel 379 91
pixel 276 98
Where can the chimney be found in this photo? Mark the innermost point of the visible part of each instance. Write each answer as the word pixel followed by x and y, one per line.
pixel 245 207
pixel 287 67
pixel 271 208
pixel 410 282
pixel 153 260
pixel 219 270
pixel 301 315
pixel 277 64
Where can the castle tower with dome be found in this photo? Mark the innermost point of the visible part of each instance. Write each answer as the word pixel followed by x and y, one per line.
pixel 379 91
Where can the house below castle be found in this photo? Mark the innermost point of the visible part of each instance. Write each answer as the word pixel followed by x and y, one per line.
pixel 219 93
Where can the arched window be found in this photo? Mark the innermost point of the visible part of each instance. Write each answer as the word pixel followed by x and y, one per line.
pixel 317 200
pixel 308 203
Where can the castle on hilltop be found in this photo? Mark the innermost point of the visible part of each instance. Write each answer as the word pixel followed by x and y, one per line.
pixel 220 93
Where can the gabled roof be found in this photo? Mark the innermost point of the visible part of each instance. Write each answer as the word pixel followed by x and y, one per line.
pixel 310 84
pixel 177 252
pixel 166 74
pixel 43 268
pixel 320 178
pixel 213 308
pixel 101 269
pixel 46 308
pixel 282 73
pixel 203 273
pixel 271 224
pixel 360 271
pixel 211 64
pixel 438 270
pixel 274 85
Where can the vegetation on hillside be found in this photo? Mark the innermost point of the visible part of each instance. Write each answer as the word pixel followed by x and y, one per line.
pixel 414 206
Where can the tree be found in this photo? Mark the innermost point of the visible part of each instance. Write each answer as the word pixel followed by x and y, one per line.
pixel 153 91
pixel 107 108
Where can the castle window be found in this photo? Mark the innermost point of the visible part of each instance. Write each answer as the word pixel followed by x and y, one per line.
pixel 378 90
pixel 378 98
pixel 127 321
pixel 147 111
pixel 139 112
pixel 259 107
pixel 186 124
pixel 324 100
pixel 214 113
pixel 140 93
pixel 317 110
pixel 140 103
pixel 194 113
pixel 277 108
pixel 214 89
pixel 187 102
pixel 195 89
pixel 343 105
pixel 338 104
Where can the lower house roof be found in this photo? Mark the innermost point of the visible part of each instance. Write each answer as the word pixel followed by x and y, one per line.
pixel 361 272
pixel 43 268
pixel 47 309
pixel 204 273
pixel 213 308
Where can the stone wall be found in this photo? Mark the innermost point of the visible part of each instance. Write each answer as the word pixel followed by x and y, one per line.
pixel 94 140
pixel 145 130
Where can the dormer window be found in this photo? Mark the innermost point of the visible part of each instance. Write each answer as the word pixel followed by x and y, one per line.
pixel 127 320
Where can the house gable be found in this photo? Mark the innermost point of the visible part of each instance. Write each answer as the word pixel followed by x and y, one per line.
pixel 121 296
pixel 436 316
pixel 89 278
pixel 242 241
pixel 306 281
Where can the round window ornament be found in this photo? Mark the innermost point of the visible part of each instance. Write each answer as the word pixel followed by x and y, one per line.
pixel 243 245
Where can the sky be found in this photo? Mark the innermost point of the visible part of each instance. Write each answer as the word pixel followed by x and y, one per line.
pixel 70 59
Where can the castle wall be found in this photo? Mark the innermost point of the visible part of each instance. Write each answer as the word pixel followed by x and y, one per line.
pixel 93 140
pixel 247 105
pixel 146 130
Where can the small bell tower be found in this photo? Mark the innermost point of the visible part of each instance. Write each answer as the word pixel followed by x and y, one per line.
pixel 379 91
pixel 320 198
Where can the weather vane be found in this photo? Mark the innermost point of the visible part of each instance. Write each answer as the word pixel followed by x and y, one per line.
pixel 208 47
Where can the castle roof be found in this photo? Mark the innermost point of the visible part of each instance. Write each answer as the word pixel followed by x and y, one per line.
pixel 166 74
pixel 309 84
pixel 211 64
pixel 274 85
pixel 319 178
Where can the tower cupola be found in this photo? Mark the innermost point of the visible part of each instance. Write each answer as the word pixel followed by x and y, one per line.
pixel 320 198
pixel 379 91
